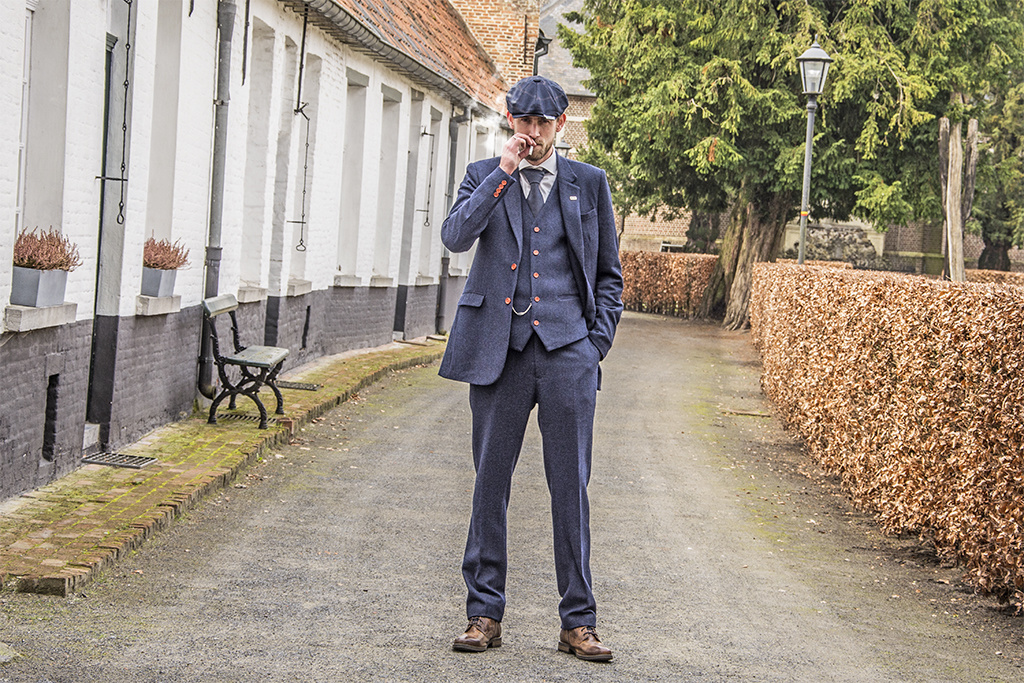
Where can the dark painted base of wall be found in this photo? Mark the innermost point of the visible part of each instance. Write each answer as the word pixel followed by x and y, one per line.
pixel 153 370
pixel 41 367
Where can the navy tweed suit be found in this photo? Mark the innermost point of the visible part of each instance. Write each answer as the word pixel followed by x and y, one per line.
pixel 557 369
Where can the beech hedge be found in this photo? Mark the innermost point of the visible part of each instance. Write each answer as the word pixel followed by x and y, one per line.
pixel 670 284
pixel 912 392
pixel 995 276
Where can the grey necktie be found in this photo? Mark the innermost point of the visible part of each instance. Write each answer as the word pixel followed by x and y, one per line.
pixel 536 200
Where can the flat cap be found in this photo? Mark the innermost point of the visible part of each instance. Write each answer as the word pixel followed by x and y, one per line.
pixel 536 96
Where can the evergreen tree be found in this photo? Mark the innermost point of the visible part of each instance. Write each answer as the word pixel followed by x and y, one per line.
pixel 700 104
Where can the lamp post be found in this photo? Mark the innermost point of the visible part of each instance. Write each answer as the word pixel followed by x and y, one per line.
pixel 813 72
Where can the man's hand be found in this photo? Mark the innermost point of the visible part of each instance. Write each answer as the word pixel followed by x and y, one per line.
pixel 518 147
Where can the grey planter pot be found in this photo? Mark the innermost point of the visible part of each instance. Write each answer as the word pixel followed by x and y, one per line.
pixel 38 288
pixel 157 282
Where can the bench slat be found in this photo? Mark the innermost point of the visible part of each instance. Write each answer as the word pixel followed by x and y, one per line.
pixel 258 356
pixel 220 304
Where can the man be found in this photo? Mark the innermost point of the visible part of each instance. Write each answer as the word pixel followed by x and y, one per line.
pixel 538 313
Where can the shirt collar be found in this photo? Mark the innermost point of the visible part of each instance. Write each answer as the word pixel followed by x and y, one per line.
pixel 550 164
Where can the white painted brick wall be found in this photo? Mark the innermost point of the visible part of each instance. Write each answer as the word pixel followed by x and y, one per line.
pixel 194 143
pixel 193 152
pixel 86 57
pixel 12 32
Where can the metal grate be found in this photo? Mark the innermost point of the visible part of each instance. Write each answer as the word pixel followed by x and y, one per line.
pixel 243 417
pixel 119 460
pixel 304 386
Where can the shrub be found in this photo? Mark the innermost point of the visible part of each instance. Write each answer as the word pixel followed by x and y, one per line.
pixel 910 390
pixel 163 255
pixel 995 276
pixel 670 284
pixel 48 250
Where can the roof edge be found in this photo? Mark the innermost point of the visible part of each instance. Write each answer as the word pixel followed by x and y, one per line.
pixel 366 37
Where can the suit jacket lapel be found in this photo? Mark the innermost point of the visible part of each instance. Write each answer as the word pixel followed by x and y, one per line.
pixel 568 195
pixel 513 201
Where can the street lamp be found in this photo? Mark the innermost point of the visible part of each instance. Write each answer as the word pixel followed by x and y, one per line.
pixel 813 72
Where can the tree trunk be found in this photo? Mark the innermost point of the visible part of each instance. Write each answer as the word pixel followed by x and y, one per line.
pixel 970 171
pixel 752 236
pixel 994 257
pixel 943 184
pixel 954 215
pixel 762 231
pixel 717 293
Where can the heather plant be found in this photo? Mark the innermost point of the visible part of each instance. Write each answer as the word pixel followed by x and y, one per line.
pixel 164 255
pixel 48 250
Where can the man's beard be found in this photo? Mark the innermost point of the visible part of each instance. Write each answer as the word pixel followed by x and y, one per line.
pixel 539 153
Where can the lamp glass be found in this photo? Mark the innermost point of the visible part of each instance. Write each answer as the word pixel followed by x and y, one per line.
pixel 813 73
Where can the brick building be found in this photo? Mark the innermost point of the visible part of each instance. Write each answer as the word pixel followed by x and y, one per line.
pixel 310 180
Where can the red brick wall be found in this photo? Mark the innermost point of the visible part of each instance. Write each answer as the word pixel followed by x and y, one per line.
pixel 499 25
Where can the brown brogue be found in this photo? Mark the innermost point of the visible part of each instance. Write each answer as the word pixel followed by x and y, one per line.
pixel 482 633
pixel 583 642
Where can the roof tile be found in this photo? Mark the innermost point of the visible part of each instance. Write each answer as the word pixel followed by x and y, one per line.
pixel 434 34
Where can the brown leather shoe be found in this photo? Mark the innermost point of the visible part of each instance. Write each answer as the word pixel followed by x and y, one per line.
pixel 482 633
pixel 583 642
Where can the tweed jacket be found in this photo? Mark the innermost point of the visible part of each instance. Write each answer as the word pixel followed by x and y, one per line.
pixel 488 212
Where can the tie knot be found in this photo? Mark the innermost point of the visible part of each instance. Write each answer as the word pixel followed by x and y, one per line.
pixel 533 175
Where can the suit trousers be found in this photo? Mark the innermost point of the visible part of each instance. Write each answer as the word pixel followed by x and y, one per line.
pixel 563 384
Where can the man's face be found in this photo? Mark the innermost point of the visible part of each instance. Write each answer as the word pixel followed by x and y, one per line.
pixel 541 131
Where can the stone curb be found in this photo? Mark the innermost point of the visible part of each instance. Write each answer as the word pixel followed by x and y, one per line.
pixel 107 550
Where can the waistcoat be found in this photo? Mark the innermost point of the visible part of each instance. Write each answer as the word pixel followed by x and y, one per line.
pixel 545 283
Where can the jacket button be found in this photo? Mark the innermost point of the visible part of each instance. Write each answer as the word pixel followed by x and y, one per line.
pixel 536 275
pixel 536 298
pixel 513 266
pixel 536 229
pixel 536 322
pixel 508 300
pixel 536 253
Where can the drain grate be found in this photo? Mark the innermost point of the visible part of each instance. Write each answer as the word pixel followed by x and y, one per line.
pixel 243 417
pixel 119 460
pixel 304 386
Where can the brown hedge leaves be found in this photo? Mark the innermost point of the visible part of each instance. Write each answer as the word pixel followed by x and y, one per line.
pixel 670 284
pixel 912 391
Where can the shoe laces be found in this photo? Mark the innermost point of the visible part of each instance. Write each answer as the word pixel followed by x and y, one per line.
pixel 478 622
pixel 586 631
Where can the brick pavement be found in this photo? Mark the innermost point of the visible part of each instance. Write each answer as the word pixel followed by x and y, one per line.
pixel 57 538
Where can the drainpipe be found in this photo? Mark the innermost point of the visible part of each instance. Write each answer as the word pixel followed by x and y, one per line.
pixel 225 28
pixel 453 145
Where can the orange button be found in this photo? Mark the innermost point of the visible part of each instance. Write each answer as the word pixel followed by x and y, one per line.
pixel 508 300
pixel 536 298
pixel 536 274
pixel 513 266
pixel 536 322
pixel 496 193
pixel 536 229
pixel 535 252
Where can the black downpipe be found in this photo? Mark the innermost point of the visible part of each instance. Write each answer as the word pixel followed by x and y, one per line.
pixel 453 150
pixel 225 27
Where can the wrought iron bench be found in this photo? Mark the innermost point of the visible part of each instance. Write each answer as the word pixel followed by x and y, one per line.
pixel 257 365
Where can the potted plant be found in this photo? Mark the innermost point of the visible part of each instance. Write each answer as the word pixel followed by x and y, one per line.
pixel 160 262
pixel 41 265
